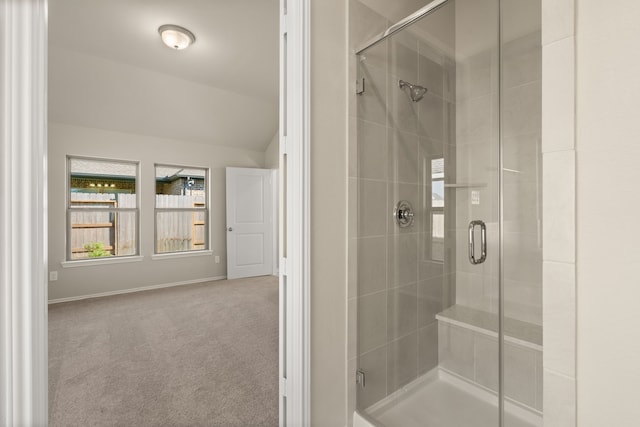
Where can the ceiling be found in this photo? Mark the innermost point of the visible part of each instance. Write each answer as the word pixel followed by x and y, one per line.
pixel 108 69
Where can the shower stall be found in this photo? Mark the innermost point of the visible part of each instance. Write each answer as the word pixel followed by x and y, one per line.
pixel 446 238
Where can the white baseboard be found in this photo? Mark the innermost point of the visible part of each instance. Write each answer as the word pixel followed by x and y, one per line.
pixel 141 289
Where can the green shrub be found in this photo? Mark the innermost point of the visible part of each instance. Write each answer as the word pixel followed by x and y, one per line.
pixel 96 250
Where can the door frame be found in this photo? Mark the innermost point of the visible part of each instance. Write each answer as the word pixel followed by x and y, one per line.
pixel 24 217
pixel 295 261
pixel 23 212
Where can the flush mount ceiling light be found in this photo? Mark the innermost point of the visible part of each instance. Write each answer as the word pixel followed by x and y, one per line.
pixel 176 37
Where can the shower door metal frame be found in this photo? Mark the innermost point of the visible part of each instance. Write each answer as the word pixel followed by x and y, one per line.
pixel 501 348
pixel 402 24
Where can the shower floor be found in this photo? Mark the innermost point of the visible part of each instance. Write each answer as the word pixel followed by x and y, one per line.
pixel 443 400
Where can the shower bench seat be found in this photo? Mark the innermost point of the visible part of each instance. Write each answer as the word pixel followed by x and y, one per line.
pixel 468 349
pixel 515 331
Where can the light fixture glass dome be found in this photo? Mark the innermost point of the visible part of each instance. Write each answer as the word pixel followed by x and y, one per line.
pixel 176 37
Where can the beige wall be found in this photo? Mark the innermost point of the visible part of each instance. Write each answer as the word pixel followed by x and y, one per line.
pixel 608 202
pixel 328 219
pixel 272 153
pixel 71 140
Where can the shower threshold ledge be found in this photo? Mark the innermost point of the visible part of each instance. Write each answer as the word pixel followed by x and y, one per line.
pixel 515 331
pixel 442 399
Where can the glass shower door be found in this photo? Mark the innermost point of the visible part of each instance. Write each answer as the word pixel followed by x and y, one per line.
pixel 427 121
pixel 521 90
pixel 469 356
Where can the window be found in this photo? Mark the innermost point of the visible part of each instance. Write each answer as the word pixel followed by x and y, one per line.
pixel 102 209
pixel 437 209
pixel 182 209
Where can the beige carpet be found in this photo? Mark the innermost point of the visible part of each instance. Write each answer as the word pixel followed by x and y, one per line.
pixel 196 355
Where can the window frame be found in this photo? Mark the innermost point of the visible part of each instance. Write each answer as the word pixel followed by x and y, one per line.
pixel 70 209
pixel 206 210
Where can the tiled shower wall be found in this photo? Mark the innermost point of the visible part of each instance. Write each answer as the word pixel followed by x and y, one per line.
pixel 401 275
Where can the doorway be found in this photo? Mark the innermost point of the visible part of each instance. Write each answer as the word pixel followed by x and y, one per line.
pixel 25 372
pixel 148 131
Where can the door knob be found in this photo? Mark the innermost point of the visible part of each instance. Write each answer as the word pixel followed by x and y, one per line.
pixel 230 229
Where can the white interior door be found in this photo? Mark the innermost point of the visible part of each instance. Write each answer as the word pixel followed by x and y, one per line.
pixel 249 222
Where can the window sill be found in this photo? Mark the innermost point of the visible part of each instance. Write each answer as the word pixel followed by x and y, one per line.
pixel 101 261
pixel 157 257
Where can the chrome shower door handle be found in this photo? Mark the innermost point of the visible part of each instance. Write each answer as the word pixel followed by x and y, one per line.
pixel 472 243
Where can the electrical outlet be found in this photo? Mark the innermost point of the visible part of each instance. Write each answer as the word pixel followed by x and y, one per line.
pixel 217 259
pixel 53 276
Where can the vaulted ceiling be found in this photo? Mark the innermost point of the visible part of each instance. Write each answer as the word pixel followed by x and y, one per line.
pixel 108 69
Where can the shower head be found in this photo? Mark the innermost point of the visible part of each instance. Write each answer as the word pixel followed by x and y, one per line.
pixel 416 92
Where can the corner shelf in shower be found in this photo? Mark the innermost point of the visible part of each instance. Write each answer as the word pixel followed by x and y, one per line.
pixel 466 185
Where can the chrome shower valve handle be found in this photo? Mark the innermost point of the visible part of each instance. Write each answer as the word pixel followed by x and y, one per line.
pixel 403 214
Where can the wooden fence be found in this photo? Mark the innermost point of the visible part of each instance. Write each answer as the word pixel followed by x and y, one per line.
pixel 180 231
pixel 176 231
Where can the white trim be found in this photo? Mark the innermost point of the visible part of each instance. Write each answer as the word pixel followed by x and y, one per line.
pixel 171 255
pixel 23 213
pixel 295 130
pixel 100 261
pixel 140 289
pixel 275 193
pixel 282 318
